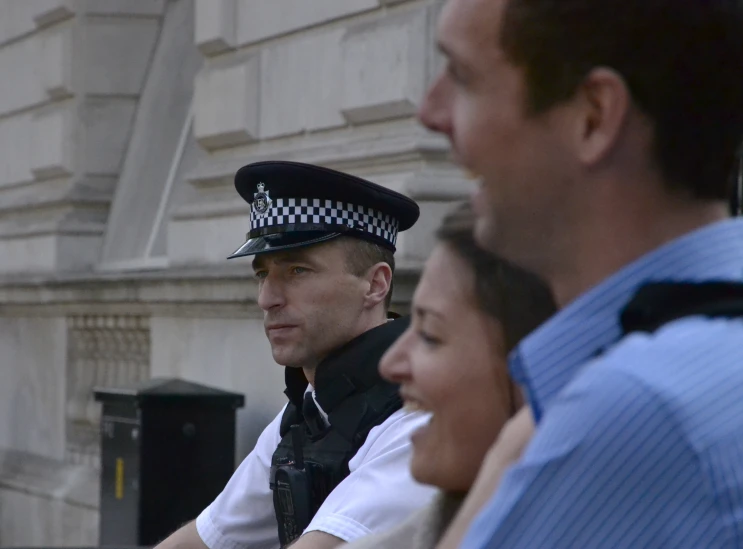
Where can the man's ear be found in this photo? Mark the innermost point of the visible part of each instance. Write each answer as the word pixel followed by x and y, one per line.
pixel 604 102
pixel 380 284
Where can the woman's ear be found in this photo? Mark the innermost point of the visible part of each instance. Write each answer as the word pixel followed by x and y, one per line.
pixel 380 284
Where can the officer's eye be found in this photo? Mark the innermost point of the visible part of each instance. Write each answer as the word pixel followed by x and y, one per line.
pixel 260 275
pixel 298 270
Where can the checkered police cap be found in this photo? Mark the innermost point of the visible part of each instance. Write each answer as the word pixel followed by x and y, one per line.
pixel 294 204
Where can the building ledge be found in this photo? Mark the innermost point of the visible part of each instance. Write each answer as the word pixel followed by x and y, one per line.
pixel 77 485
pixel 209 290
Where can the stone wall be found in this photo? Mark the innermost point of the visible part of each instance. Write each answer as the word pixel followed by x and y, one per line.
pixel 74 71
pixel 120 132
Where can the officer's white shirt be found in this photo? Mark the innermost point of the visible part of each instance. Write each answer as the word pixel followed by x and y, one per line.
pixel 377 494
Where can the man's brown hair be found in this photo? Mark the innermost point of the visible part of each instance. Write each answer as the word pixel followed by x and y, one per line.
pixel 361 255
pixel 681 61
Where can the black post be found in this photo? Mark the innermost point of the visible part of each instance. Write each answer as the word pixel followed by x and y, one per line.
pixel 167 450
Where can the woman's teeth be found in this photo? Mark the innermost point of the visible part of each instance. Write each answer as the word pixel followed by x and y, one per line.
pixel 472 176
pixel 413 406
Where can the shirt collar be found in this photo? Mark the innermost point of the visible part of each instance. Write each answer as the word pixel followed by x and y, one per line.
pixel 323 415
pixel 548 358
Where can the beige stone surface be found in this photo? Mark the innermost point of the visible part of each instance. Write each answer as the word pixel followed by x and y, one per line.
pixel 28 253
pixel 32 521
pixel 49 12
pixel 117 54
pixel 231 354
pixel 384 67
pixel 199 239
pixel 216 25
pixel 311 65
pixel 53 134
pixel 25 250
pixel 40 65
pixel 104 148
pixel 226 104
pixel 258 20
pixel 55 54
pixel 125 7
pixel 16 138
pixel 18 19
pixel 32 385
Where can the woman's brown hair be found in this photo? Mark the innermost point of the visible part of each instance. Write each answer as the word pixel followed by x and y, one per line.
pixel 518 299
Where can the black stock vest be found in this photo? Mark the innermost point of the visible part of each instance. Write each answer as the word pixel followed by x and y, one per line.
pixel 658 303
pixel 312 458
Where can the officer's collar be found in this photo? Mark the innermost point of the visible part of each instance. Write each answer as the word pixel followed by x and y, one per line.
pixel 353 366
pixel 311 390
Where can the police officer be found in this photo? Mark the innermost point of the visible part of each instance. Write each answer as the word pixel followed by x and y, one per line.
pixel 333 465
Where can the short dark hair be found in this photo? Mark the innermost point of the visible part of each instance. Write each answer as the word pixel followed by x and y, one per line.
pixel 361 255
pixel 516 298
pixel 681 60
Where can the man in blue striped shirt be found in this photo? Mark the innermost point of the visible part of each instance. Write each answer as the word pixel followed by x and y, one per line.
pixel 604 134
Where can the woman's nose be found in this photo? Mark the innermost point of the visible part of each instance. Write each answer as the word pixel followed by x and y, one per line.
pixel 395 364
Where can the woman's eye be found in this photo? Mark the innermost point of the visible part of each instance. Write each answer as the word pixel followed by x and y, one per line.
pixel 454 74
pixel 428 339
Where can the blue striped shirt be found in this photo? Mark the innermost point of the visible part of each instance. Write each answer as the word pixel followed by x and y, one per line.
pixel 642 445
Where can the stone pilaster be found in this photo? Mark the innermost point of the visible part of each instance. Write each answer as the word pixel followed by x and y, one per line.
pixel 65 116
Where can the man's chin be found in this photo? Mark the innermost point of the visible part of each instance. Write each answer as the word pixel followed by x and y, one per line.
pixel 282 358
pixel 285 357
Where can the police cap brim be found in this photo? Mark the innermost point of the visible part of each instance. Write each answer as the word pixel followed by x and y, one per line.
pixel 275 243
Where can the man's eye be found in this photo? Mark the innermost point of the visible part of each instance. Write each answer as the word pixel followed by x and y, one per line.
pixel 298 270
pixel 260 275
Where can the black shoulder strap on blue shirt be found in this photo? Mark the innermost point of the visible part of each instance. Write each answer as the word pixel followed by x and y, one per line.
pixel 658 303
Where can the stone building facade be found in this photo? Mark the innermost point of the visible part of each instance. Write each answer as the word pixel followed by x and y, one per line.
pixel 122 123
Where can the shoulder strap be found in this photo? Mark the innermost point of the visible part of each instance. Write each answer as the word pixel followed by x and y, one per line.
pixel 658 303
pixel 372 408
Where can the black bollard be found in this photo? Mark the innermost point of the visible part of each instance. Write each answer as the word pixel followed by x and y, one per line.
pixel 167 450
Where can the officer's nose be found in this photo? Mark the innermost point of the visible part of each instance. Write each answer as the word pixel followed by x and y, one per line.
pixel 395 364
pixel 435 110
pixel 270 294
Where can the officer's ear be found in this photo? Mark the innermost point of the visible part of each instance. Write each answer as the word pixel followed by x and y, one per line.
pixel 379 276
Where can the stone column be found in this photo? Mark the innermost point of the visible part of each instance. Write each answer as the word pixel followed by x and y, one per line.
pixel 73 73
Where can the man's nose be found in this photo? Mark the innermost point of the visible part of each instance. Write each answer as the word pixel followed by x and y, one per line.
pixel 395 364
pixel 270 294
pixel 434 111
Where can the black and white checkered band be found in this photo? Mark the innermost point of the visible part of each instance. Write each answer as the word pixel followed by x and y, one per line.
pixel 320 214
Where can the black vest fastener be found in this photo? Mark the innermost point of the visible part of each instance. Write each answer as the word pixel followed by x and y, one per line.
pixel 658 303
pixel 312 458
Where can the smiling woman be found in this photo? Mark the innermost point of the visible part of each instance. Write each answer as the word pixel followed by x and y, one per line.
pixel 469 310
